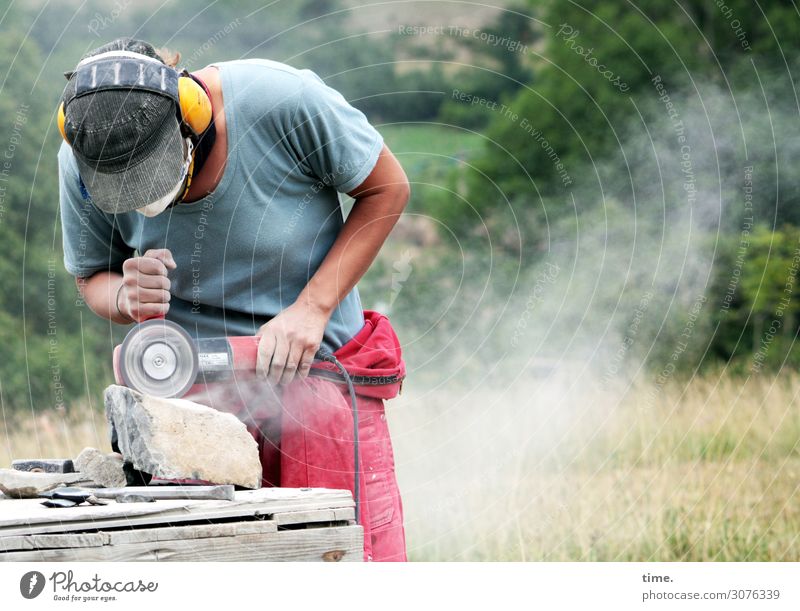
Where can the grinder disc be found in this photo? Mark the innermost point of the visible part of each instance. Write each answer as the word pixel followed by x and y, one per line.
pixel 158 358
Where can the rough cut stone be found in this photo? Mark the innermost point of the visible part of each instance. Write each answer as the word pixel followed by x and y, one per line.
pixel 104 469
pixel 180 439
pixel 46 465
pixel 26 484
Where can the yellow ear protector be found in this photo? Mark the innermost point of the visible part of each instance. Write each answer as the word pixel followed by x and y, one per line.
pixel 61 120
pixel 127 70
pixel 194 105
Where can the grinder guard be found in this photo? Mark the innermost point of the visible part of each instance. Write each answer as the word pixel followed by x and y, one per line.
pixel 157 358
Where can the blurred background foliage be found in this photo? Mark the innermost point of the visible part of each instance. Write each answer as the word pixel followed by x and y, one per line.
pixel 490 203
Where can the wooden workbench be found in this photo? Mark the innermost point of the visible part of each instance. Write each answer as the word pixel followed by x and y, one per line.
pixel 273 524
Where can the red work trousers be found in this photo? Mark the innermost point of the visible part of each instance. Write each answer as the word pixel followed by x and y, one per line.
pixel 304 433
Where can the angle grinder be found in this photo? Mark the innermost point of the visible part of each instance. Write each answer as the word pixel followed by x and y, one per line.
pixel 159 358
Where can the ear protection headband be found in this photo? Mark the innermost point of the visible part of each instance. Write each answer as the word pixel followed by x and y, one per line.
pixel 127 70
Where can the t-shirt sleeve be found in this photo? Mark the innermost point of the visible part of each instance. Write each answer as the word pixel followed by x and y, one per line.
pixel 336 142
pixel 91 240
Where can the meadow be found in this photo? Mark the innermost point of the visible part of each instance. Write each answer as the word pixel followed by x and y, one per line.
pixel 709 470
pixel 541 470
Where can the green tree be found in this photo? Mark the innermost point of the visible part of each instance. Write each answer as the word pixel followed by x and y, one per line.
pixel 599 59
pixel 53 355
pixel 769 287
pixel 501 57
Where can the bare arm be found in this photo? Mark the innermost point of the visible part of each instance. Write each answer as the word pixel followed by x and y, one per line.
pixel 380 200
pixel 99 292
pixel 291 339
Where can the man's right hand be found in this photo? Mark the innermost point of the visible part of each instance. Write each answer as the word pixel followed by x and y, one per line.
pixel 145 287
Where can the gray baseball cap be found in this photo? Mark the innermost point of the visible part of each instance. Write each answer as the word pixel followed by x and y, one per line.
pixel 127 141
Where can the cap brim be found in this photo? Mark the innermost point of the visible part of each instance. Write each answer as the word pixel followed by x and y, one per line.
pixel 137 185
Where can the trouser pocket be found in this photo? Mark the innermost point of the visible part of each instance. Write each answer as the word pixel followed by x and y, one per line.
pixel 377 463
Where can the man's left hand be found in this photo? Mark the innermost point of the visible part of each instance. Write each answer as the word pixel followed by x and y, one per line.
pixel 289 342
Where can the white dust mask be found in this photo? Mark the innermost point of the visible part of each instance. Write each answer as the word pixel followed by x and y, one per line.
pixel 162 203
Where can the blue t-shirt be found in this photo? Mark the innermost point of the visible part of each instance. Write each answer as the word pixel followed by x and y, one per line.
pixel 246 251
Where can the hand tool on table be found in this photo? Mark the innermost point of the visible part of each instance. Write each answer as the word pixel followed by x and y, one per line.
pixel 69 496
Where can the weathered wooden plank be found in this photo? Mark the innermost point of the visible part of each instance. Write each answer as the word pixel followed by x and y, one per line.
pixel 31 542
pixel 74 540
pixel 30 512
pixel 25 517
pixel 194 531
pixel 338 543
pixel 165 519
pixel 311 516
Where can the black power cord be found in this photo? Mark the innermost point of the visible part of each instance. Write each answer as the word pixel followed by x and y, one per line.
pixel 324 355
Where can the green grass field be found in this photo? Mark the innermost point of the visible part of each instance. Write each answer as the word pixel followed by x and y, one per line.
pixel 429 140
pixel 710 470
pixel 428 153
